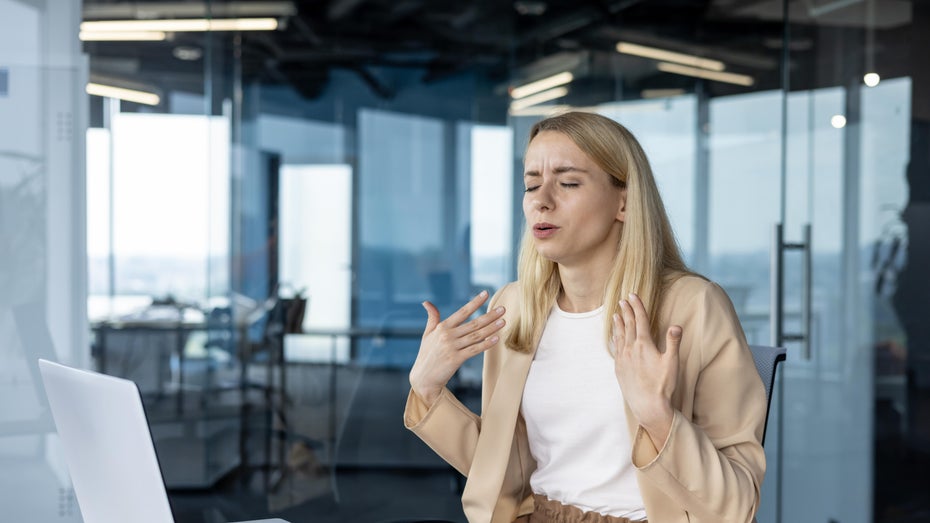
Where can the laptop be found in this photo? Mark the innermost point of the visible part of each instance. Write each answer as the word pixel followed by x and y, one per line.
pixel 108 446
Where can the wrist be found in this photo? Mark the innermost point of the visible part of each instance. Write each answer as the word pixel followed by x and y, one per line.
pixel 427 395
pixel 658 423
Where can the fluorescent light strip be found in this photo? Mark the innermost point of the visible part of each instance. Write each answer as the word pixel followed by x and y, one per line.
pixel 661 93
pixel 730 78
pixel 538 98
pixel 540 110
pixel 183 26
pixel 122 36
pixel 669 56
pixel 541 85
pixel 130 95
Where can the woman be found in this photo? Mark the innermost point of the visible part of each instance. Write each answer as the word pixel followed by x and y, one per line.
pixel 617 386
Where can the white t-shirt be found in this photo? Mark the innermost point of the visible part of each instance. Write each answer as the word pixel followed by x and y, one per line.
pixel 576 422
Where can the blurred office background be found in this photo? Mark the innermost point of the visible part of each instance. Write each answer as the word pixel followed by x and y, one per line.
pixel 248 225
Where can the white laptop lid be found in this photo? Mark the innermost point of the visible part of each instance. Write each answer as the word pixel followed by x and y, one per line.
pixel 108 446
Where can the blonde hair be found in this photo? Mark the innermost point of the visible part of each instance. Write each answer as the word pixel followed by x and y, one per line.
pixel 647 256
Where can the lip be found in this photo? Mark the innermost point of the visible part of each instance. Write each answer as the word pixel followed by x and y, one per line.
pixel 544 230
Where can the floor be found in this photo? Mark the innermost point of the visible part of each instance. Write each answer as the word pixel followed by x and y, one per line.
pixel 364 496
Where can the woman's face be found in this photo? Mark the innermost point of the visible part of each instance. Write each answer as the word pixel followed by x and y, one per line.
pixel 573 210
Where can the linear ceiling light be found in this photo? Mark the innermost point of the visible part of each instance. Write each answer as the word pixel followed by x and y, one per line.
pixel 538 98
pixel 183 26
pixel 541 110
pixel 730 78
pixel 661 93
pixel 669 56
pixel 130 95
pixel 541 85
pixel 164 9
pixel 122 36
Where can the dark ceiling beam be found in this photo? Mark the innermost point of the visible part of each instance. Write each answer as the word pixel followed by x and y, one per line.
pixel 340 9
pixel 304 30
pixel 382 91
pixel 559 26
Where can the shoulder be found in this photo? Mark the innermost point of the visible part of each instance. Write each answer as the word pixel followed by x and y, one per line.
pixel 693 291
pixel 700 306
pixel 507 296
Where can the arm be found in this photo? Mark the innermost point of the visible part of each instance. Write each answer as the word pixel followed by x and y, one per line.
pixel 711 463
pixel 444 423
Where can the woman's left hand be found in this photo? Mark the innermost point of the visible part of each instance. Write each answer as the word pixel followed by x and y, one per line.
pixel 647 377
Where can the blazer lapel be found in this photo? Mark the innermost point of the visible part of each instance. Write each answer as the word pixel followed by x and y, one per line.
pixel 496 439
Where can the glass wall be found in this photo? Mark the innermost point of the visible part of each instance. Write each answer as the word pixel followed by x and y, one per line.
pixel 257 242
pixel 42 287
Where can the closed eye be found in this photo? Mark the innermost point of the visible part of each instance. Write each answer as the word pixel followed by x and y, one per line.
pixel 531 189
pixel 570 185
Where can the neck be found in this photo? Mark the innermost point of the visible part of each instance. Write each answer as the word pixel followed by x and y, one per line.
pixel 582 287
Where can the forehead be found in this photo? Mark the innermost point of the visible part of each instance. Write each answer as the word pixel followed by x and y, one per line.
pixel 554 147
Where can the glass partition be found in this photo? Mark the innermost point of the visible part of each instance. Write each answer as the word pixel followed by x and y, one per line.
pixel 42 288
pixel 260 238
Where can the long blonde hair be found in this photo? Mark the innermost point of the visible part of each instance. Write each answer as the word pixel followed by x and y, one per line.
pixel 647 254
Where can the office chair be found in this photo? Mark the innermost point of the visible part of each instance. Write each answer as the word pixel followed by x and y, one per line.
pixel 283 315
pixel 767 360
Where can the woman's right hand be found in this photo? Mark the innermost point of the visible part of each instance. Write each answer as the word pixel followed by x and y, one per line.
pixel 447 344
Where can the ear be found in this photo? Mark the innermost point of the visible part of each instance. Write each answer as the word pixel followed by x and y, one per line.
pixel 621 208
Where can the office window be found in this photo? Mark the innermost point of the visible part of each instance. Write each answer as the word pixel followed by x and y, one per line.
pixel 491 211
pixel 170 208
pixel 316 255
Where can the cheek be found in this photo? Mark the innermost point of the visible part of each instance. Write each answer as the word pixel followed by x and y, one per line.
pixel 527 206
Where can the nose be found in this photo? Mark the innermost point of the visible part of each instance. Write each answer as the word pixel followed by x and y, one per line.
pixel 542 197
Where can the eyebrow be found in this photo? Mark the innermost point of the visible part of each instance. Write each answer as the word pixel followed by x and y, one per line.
pixel 557 170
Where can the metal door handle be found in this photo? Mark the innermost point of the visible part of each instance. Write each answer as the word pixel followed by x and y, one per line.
pixel 779 246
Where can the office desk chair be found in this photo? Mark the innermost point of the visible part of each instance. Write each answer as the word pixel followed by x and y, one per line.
pixel 767 360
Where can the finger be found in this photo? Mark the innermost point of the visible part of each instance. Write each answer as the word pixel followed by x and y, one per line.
pixel 432 317
pixel 673 341
pixel 467 310
pixel 642 317
pixel 629 322
pixel 480 335
pixel 617 334
pixel 480 322
pixel 478 348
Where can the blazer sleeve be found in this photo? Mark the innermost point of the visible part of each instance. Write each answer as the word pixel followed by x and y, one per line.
pixel 447 426
pixel 712 463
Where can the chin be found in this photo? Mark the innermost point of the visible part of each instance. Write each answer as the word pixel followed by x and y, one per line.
pixel 547 254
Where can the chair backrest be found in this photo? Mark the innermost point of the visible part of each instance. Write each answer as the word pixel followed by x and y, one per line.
pixel 767 359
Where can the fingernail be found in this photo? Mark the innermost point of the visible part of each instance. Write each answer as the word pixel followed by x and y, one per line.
pixel 494 339
pixel 623 303
pixel 499 323
pixel 632 296
pixel 483 293
pixel 499 310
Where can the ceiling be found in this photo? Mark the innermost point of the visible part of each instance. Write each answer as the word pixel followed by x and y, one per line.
pixel 504 41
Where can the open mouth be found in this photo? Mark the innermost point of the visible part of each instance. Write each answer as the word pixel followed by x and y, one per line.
pixel 544 230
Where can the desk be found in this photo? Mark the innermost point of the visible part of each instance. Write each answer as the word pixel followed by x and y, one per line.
pixel 217 432
pixel 176 331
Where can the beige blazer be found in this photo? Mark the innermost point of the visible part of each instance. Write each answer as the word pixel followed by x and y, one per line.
pixel 711 467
